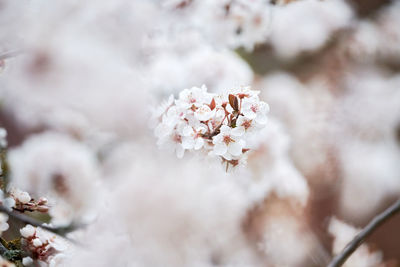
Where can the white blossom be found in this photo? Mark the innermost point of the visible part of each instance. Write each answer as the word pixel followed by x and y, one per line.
pixel 228 143
pixel 20 196
pixel 3 136
pixel 55 166
pixel 192 137
pixel 204 113
pixel 255 110
pixel 27 261
pixel 3 222
pixel 217 123
pixel 28 231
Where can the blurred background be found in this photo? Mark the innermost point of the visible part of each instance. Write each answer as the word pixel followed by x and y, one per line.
pixel 79 80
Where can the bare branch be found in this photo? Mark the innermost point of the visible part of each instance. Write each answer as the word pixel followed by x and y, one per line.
pixel 61 231
pixel 377 221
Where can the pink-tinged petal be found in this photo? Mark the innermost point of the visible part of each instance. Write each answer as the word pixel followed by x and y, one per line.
pixel 235 148
pixel 238 131
pixel 220 149
pixel 180 151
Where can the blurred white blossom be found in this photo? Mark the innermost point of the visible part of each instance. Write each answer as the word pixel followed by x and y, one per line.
pixel 57 167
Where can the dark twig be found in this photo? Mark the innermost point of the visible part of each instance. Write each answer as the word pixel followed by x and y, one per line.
pixel 364 233
pixel 61 231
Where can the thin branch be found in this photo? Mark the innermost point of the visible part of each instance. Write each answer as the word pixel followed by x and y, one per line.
pixel 61 231
pixel 364 233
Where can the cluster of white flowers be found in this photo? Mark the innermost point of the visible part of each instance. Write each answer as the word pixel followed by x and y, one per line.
pixel 237 23
pixel 218 124
pixel 22 201
pixel 41 245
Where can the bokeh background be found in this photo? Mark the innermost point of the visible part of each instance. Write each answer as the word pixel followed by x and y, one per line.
pixel 79 80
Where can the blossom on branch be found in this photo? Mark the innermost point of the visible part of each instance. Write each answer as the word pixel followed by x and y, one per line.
pixel 217 124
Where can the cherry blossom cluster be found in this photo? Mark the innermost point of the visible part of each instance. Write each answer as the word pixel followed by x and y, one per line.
pixel 22 201
pixel 40 245
pixel 235 23
pixel 219 124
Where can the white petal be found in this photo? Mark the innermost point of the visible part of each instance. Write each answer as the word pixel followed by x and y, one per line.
pixel 225 129
pixel 238 131
pixel 180 151
pixel 235 148
pixel 220 149
pixel 262 119
pixel 3 227
pixel 227 156
pixel 187 131
pixel 201 129
pixel 9 202
pixel 187 142
pixel 264 107
pixel 199 143
pixel 240 120
pixel 218 139
pixel 248 113
pixel 162 130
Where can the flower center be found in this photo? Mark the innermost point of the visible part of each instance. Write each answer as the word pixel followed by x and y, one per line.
pixel 177 138
pixel 227 139
pixel 246 124
pixel 254 109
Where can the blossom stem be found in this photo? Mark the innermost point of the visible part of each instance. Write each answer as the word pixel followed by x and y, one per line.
pixel 377 221
pixel 209 136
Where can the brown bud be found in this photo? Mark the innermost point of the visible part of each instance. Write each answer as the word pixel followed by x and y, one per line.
pixel 212 104
pixel 42 201
pixel 233 101
pixel 42 208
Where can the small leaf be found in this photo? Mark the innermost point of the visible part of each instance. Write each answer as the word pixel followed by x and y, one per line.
pixel 212 104
pixel 14 244
pixel 233 102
